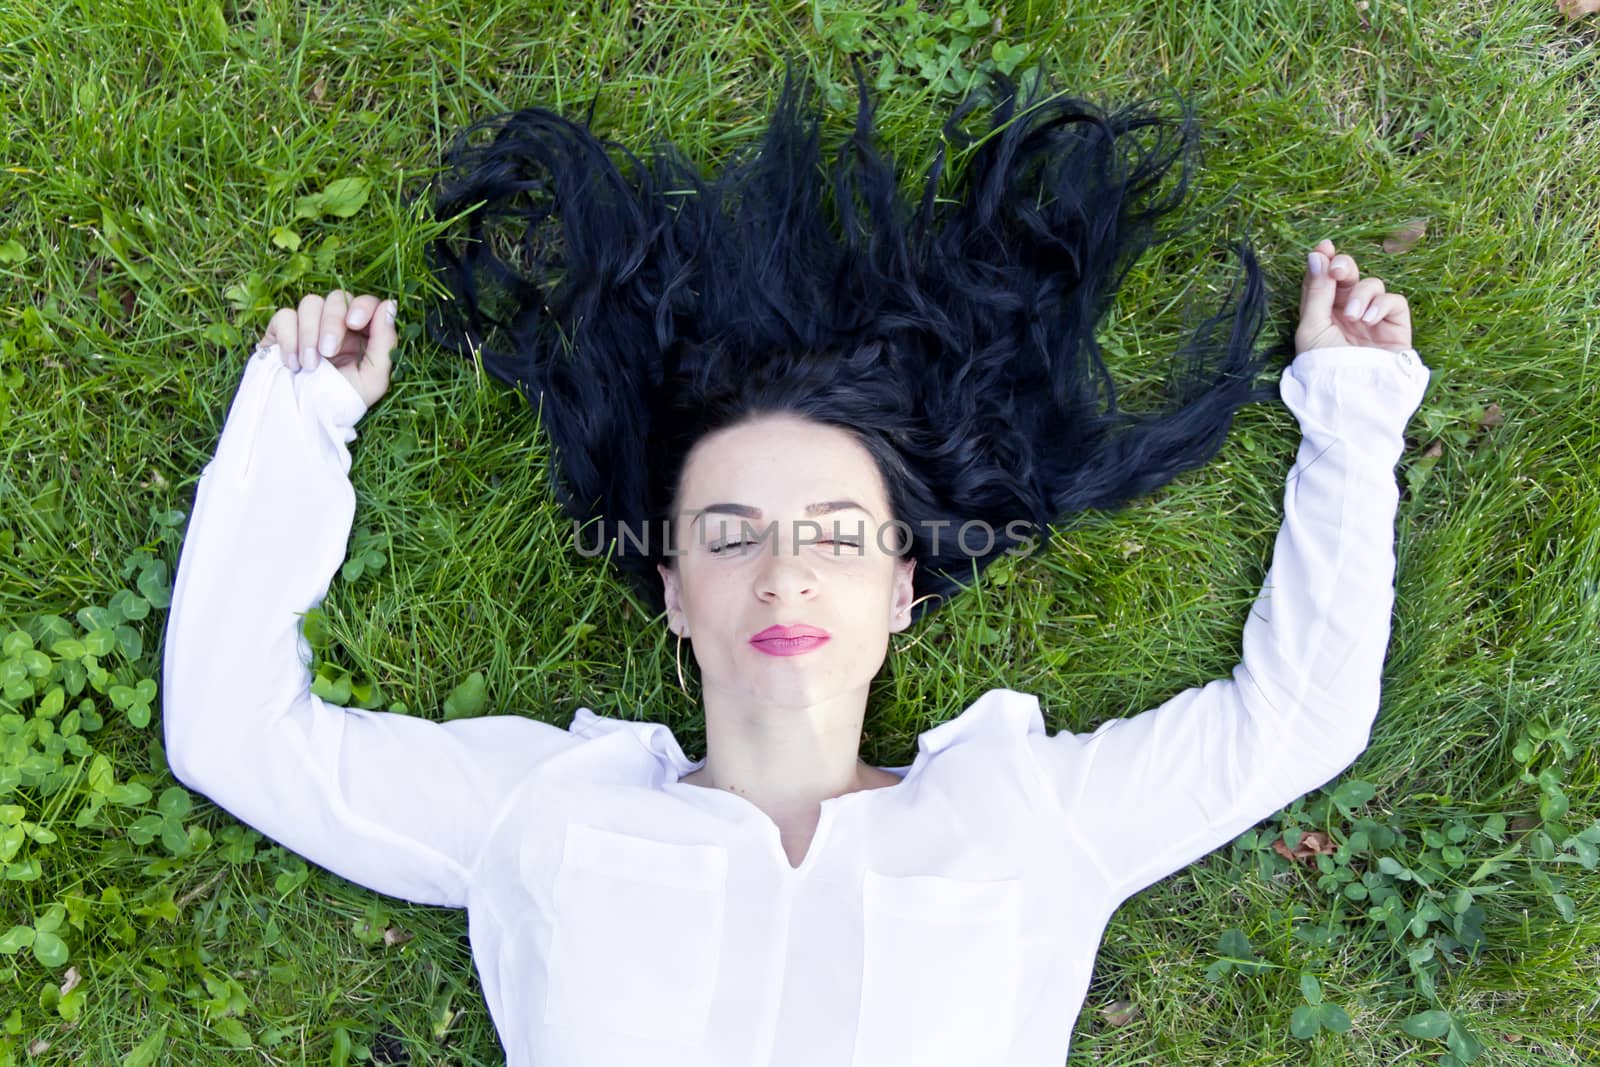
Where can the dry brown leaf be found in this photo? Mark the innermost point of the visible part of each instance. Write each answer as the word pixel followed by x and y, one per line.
pixel 200 890
pixel 393 935
pixel 39 1047
pixel 1492 415
pixel 1576 9
pixel 1120 1012
pixel 1313 843
pixel 1434 450
pixel 1521 825
pixel 319 89
pixel 1406 237
pixel 72 979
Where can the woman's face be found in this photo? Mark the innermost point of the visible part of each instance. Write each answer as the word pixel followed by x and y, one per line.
pixel 785 522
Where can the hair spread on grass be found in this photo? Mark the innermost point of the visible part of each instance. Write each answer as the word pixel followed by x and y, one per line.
pixel 639 305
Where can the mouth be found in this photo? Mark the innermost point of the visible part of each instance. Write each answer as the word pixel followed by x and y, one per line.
pixel 789 640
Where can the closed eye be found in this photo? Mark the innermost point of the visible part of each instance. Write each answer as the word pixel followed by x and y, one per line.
pixel 718 549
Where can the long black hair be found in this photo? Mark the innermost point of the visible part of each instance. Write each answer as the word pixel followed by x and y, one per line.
pixel 639 307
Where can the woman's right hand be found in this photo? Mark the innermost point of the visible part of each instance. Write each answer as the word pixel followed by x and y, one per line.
pixel 1339 307
pixel 356 335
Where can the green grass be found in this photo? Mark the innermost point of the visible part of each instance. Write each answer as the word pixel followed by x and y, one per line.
pixel 153 152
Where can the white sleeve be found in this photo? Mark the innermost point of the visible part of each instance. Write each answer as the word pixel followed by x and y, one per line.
pixel 1148 795
pixel 398 804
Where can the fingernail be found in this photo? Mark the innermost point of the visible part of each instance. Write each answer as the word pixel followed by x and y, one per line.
pixel 308 358
pixel 1371 315
pixel 389 310
pixel 1350 309
pixel 1316 264
pixel 326 345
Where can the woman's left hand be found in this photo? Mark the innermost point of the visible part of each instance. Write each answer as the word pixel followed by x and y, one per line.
pixel 1339 307
pixel 355 334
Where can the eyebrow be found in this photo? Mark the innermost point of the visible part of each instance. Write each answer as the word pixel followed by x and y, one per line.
pixel 747 512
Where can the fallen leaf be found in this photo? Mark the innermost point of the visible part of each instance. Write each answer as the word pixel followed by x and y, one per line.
pixel 319 89
pixel 1576 9
pixel 200 890
pixel 1520 826
pixel 1120 1012
pixel 72 979
pixel 1434 450
pixel 393 935
pixel 1492 416
pixel 1406 237
pixel 1313 843
pixel 39 1047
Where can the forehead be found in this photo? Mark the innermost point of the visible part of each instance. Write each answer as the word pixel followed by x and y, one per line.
pixel 780 461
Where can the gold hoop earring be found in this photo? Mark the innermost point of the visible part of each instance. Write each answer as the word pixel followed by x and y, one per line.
pixel 678 656
pixel 920 599
pixel 914 640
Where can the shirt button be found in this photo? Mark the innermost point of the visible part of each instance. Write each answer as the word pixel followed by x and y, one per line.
pixel 1407 359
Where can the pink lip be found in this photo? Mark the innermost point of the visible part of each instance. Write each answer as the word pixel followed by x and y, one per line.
pixel 789 640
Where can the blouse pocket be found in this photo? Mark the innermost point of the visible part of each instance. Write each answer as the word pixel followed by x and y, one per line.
pixel 637 935
pixel 941 963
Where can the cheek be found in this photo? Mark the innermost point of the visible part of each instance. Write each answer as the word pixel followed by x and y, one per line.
pixel 702 589
pixel 869 585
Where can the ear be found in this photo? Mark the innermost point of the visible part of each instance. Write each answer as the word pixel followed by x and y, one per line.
pixel 675 619
pixel 901 599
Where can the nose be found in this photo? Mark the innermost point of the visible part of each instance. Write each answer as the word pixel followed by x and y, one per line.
pixel 785 575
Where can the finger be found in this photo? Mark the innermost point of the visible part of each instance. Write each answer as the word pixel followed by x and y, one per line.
pixel 282 331
pixel 361 311
pixel 1395 310
pixel 1399 311
pixel 1378 310
pixel 1361 297
pixel 330 329
pixel 310 313
pixel 1344 272
pixel 381 341
pixel 1316 291
pixel 1318 258
pixel 354 345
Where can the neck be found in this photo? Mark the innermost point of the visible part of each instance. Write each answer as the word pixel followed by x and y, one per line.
pixel 785 759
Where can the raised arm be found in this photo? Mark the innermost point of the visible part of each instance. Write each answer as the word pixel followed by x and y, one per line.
pixel 395 803
pixel 1148 795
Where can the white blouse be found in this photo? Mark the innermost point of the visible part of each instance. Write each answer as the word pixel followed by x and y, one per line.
pixel 618 916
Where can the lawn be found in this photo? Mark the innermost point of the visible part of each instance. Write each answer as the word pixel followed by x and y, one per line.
pixel 174 172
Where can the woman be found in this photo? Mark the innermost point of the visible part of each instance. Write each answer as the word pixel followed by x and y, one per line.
pixel 780 901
